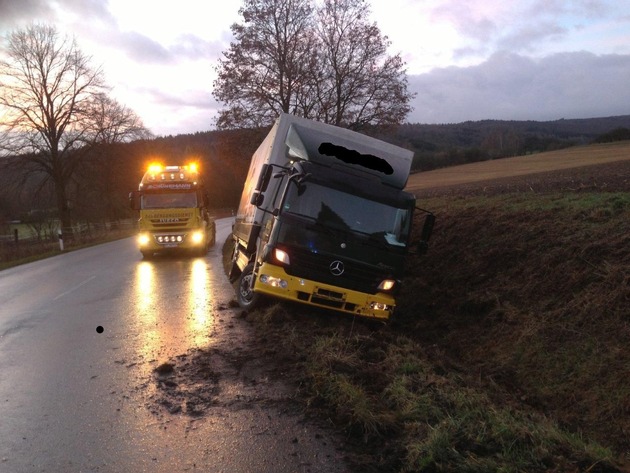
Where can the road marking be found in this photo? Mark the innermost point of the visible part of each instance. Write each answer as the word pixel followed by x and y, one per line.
pixel 74 288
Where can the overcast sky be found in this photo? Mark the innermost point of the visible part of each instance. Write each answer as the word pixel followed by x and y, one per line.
pixel 466 59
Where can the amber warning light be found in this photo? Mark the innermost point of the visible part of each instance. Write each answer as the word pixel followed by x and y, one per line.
pixel 155 168
pixel 158 173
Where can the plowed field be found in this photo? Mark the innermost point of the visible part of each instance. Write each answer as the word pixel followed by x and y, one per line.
pixel 604 167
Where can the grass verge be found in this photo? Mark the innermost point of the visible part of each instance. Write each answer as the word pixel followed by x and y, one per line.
pixel 15 255
pixel 507 352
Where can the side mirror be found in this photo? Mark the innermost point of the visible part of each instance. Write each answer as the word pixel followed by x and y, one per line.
pixel 257 199
pixel 135 200
pixel 264 178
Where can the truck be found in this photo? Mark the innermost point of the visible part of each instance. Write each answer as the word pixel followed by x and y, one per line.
pixel 323 220
pixel 173 207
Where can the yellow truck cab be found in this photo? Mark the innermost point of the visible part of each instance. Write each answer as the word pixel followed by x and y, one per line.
pixel 173 210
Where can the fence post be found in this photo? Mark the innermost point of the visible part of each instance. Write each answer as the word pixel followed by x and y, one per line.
pixel 60 235
pixel 15 236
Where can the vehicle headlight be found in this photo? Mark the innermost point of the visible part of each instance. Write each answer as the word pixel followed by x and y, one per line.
pixel 143 239
pixel 387 284
pixel 273 281
pixel 282 256
pixel 380 306
pixel 197 237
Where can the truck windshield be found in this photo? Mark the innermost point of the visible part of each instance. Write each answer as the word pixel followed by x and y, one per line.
pixel 339 210
pixel 169 200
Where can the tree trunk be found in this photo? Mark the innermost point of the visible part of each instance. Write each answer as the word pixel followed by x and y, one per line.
pixel 63 208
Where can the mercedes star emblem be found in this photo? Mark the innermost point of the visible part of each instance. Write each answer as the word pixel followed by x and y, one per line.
pixel 336 268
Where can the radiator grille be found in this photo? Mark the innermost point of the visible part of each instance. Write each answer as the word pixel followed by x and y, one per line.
pixel 356 276
pixel 160 225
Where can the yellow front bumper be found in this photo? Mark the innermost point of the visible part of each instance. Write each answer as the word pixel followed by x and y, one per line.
pixel 274 281
pixel 148 241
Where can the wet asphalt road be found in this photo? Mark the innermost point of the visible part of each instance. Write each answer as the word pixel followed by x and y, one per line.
pixel 75 400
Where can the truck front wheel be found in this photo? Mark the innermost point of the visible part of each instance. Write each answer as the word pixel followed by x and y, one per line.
pixel 247 298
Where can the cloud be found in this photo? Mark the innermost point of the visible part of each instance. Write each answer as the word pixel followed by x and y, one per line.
pixel 15 12
pixel 87 10
pixel 200 99
pixel 513 87
pixel 171 112
pixel 538 27
pixel 577 8
pixel 190 46
pixel 142 49
pixel 91 19
pixel 527 36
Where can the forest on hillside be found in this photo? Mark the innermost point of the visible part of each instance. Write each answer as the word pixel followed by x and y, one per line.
pixel 438 146
pixel 99 192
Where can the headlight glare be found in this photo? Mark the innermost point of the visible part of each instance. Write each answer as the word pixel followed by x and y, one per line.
pixel 387 285
pixel 282 256
pixel 143 239
pixel 197 237
pixel 380 306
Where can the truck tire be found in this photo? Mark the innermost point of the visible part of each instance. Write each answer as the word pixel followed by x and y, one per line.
pixel 247 298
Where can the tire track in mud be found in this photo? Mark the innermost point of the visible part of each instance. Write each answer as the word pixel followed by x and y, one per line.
pixel 235 372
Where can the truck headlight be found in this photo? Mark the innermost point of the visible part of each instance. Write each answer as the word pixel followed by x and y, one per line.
pixel 282 256
pixel 387 285
pixel 197 237
pixel 143 239
pixel 273 281
pixel 380 306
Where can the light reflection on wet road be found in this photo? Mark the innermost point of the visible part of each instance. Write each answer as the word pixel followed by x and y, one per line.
pixel 173 306
pixel 75 400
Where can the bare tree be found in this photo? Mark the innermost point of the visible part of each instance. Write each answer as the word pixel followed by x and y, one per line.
pixel 365 85
pixel 264 69
pixel 52 105
pixel 110 122
pixel 327 63
pixel 97 179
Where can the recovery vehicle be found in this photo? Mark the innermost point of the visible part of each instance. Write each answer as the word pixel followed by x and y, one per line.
pixel 173 209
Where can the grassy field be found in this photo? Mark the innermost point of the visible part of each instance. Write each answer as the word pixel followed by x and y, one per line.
pixel 521 166
pixel 508 351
